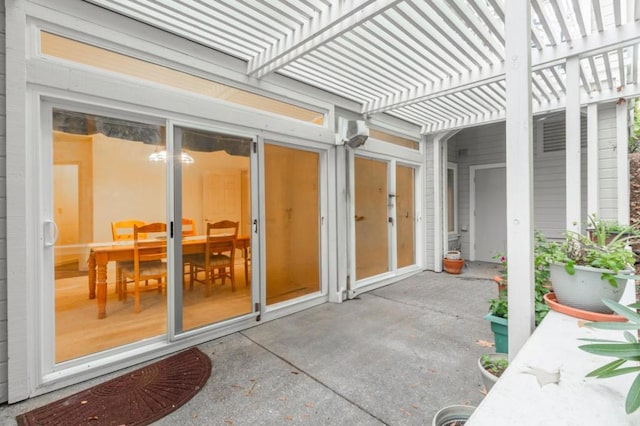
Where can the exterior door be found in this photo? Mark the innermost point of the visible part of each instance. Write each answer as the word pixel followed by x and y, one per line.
pixel 490 224
pixel 384 218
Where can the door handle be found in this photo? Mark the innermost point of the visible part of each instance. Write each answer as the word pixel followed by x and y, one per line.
pixel 51 230
pixel 255 226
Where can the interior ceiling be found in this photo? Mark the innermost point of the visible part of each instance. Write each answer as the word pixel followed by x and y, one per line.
pixel 437 63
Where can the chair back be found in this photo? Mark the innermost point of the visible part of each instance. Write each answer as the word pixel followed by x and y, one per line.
pixel 221 237
pixel 149 250
pixel 188 227
pixel 123 230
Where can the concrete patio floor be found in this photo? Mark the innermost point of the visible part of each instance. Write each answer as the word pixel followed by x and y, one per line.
pixel 393 356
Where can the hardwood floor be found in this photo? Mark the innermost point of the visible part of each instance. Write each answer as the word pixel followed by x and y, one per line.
pixel 79 332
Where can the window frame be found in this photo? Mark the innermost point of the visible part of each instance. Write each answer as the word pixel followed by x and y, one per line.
pixel 456 232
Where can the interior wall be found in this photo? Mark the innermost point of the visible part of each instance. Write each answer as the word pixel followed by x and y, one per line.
pixel 128 186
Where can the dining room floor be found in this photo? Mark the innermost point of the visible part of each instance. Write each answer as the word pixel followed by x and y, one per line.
pixel 394 355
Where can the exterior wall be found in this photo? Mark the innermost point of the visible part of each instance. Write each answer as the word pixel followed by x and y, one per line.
pixel 608 197
pixel 3 216
pixel 486 145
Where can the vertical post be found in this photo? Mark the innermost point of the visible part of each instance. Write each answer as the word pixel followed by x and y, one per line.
pixel 593 178
pixel 21 313
pixel 437 203
pixel 519 173
pixel 622 160
pixel 572 181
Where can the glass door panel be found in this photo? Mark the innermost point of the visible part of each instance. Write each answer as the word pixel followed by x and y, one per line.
pixel 102 175
pixel 405 216
pixel 215 188
pixel 371 217
pixel 292 230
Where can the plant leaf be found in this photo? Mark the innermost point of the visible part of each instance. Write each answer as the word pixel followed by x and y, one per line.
pixel 584 339
pixel 630 337
pixel 618 372
pixel 634 305
pixel 633 396
pixel 622 310
pixel 628 351
pixel 606 368
pixel 613 325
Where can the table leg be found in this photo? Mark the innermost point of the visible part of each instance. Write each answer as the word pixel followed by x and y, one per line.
pixel 101 285
pixel 91 262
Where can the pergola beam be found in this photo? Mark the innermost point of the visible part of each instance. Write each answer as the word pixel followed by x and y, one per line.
pixel 329 25
pixel 594 44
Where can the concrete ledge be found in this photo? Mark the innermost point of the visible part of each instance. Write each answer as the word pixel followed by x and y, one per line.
pixel 518 399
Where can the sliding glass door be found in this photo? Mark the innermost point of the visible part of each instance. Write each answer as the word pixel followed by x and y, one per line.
pixel 103 184
pixel 215 171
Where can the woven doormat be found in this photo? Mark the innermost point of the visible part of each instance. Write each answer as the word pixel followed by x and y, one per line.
pixel 137 398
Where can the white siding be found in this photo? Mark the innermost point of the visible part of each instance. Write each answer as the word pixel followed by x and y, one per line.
pixel 607 161
pixel 3 216
pixel 486 145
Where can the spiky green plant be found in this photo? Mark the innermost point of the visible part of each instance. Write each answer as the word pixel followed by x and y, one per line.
pixel 624 351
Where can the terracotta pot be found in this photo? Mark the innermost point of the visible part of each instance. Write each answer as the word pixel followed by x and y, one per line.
pixel 502 283
pixel 452 266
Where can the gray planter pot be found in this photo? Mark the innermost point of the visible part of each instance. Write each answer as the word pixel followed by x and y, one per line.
pixel 489 379
pixel 452 413
pixel 585 289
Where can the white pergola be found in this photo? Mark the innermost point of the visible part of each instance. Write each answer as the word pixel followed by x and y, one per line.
pixel 443 65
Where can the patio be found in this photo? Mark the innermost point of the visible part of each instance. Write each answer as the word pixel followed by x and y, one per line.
pixel 317 366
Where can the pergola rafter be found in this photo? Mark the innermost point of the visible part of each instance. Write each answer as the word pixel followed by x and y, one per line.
pixel 433 63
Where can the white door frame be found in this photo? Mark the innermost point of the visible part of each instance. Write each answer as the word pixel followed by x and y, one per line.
pixel 472 203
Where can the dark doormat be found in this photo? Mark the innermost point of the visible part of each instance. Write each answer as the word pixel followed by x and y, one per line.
pixel 137 398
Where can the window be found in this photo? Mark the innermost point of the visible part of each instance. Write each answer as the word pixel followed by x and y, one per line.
pixel 396 140
pixel 452 198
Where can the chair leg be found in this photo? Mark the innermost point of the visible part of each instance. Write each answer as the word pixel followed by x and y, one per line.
pixel 136 298
pixel 232 277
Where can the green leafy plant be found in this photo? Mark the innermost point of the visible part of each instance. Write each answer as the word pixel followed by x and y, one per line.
pixel 623 351
pixel 499 306
pixel 602 250
pixel 495 366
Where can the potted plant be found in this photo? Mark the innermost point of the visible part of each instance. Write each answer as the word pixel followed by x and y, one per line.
pixel 499 308
pixel 623 351
pixel 453 262
pixel 584 270
pixel 491 368
pixel 453 415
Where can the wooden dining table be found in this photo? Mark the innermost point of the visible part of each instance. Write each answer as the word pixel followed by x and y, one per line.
pixel 101 255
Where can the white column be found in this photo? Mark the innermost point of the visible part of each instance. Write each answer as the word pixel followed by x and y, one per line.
pixel 593 182
pixel 572 181
pixel 519 173
pixel 622 160
pixel 438 212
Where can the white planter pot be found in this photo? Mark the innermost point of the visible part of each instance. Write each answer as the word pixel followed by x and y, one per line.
pixel 586 288
pixel 489 379
pixel 452 413
pixel 453 255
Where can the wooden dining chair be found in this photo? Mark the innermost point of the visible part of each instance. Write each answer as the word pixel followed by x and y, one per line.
pixel 123 231
pixel 149 259
pixel 218 260
pixel 188 230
